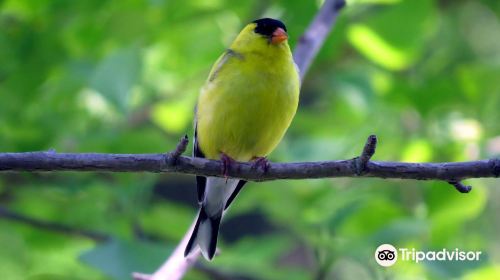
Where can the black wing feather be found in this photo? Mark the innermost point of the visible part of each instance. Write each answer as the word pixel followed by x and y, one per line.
pixel 201 217
pixel 237 190
pixel 201 181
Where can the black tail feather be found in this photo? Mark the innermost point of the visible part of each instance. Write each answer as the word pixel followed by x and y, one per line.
pixel 202 215
pixel 215 223
pixel 240 185
pixel 194 240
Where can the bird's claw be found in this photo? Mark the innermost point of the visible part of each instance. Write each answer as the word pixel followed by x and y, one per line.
pixel 261 162
pixel 226 164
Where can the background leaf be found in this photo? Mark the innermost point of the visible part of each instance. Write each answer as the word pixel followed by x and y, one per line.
pixel 118 258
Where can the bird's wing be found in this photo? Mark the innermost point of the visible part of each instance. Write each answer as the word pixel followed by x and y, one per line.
pixel 200 180
pixel 240 185
pixel 221 61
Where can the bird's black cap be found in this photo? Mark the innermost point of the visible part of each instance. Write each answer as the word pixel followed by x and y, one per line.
pixel 266 26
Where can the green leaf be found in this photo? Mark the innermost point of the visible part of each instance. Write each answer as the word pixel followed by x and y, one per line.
pixel 116 75
pixel 173 116
pixel 252 257
pixel 451 209
pixel 119 258
pixel 395 37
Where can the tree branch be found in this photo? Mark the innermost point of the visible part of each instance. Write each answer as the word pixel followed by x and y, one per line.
pixel 311 41
pixel 10 215
pixel 170 163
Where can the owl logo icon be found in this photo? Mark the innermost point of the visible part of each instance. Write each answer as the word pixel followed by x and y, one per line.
pixel 386 255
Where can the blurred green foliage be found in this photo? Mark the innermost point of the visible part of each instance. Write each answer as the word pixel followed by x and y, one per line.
pixel 123 76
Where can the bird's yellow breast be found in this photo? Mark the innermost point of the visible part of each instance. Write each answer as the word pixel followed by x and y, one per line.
pixel 248 103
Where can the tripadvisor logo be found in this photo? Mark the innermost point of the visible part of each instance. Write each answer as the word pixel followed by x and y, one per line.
pixel 387 255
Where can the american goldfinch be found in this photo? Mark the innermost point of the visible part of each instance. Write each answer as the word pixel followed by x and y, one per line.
pixel 243 111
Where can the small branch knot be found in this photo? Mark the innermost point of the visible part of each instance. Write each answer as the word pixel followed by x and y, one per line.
pixel 460 186
pixel 339 4
pixel 496 166
pixel 368 151
pixel 173 156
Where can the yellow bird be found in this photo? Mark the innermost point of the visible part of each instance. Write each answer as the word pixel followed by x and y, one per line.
pixel 243 111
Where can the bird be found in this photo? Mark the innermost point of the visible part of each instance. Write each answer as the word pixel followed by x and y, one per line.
pixel 243 111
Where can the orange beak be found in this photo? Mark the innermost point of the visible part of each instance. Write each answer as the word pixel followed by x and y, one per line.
pixel 279 35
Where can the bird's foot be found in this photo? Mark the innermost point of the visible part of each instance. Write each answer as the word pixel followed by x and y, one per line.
pixel 261 162
pixel 226 164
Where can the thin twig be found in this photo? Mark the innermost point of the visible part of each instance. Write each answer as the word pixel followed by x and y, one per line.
pixel 366 155
pixel 460 186
pixel 179 150
pixel 13 216
pixel 311 41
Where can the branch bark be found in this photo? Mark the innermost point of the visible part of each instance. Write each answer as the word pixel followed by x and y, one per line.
pixel 164 163
pixel 314 37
